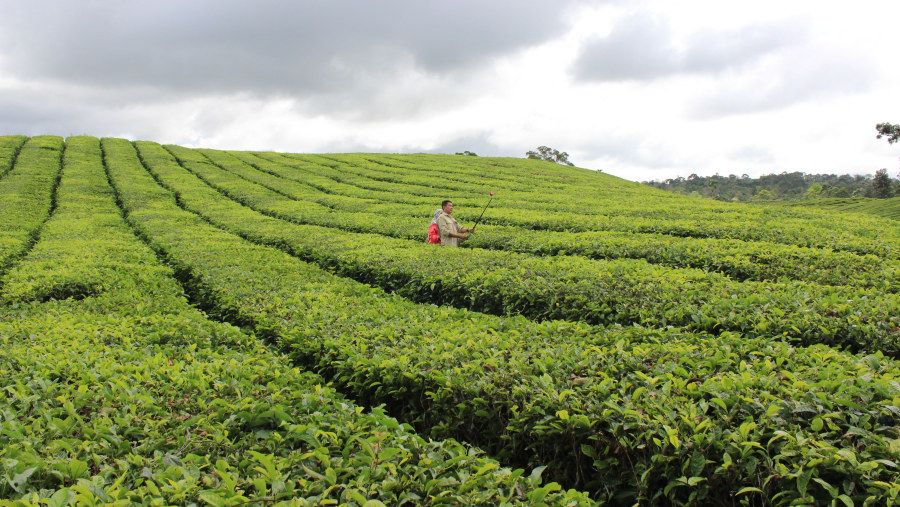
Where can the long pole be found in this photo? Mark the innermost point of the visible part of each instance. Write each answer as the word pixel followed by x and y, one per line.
pixel 482 211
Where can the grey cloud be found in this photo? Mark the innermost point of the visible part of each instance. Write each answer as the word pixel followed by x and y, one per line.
pixel 642 47
pixel 268 47
pixel 31 119
pixel 753 153
pixel 629 149
pixel 637 48
pixel 478 144
pixel 37 113
pixel 808 76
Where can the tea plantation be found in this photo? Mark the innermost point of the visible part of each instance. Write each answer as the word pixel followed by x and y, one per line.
pixel 889 208
pixel 203 327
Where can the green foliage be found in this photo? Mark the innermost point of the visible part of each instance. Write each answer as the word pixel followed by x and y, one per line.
pixel 26 191
pixel 549 155
pixel 691 387
pixel 814 191
pixel 882 185
pixel 785 186
pixel 566 200
pixel 573 288
pixel 289 195
pixel 129 395
pixel 654 415
pixel 889 131
pixel 887 208
pixel 9 151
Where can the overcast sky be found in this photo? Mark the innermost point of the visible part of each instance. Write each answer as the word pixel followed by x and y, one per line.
pixel 640 89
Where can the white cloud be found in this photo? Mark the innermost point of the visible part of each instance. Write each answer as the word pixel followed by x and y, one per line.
pixel 642 89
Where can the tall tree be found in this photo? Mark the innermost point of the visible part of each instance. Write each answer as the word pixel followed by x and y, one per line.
pixel 881 185
pixel 888 130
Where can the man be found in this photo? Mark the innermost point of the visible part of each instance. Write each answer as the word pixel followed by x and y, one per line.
pixel 451 232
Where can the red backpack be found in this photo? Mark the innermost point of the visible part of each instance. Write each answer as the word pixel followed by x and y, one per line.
pixel 434 236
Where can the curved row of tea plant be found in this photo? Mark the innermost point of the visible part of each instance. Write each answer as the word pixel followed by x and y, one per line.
pixel 535 185
pixel 26 195
pixel 9 150
pixel 559 188
pixel 116 392
pixel 587 192
pixel 533 192
pixel 358 172
pixel 889 208
pixel 738 259
pixel 571 288
pixel 604 211
pixel 638 415
pixel 426 169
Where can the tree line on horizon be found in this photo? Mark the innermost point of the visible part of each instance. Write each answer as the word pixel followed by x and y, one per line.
pixel 791 186
pixel 785 186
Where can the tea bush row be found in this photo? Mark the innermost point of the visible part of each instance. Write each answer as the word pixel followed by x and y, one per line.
pixel 738 259
pixel 9 150
pixel 571 288
pixel 543 186
pixel 634 414
pixel 592 207
pixel 26 194
pixel 123 394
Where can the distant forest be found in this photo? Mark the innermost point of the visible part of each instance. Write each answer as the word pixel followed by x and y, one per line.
pixel 785 186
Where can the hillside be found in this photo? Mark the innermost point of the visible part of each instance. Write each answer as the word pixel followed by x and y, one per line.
pixel 888 208
pixel 191 325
